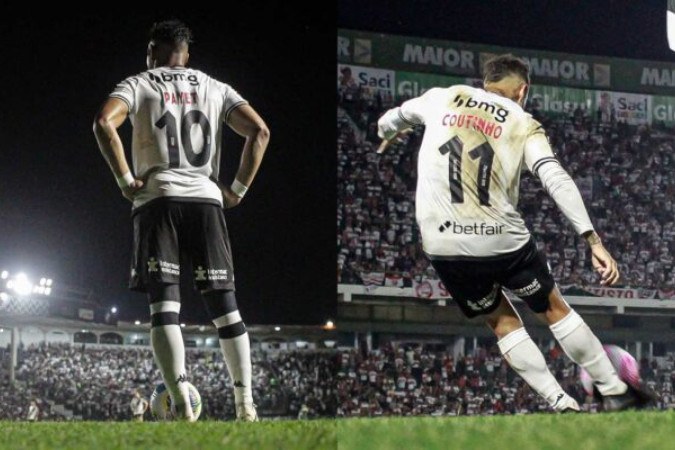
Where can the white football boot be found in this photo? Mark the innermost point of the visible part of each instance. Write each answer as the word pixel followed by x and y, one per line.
pixel 246 412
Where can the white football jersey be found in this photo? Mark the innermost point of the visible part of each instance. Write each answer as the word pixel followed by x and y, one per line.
pixel 177 116
pixel 469 166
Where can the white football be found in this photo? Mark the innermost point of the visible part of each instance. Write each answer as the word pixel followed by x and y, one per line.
pixel 160 402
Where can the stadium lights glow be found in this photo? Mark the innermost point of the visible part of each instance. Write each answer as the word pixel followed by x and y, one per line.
pixel 21 284
pixel 202 328
pixel 329 325
pixel 3 296
pixel 2 330
pixel 113 310
pixel 138 322
pixel 277 328
pixel 182 325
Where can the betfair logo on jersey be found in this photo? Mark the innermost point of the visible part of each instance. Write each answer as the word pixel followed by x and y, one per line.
pixel 169 77
pixel 500 114
pixel 479 229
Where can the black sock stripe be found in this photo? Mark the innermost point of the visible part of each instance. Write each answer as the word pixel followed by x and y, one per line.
pixel 232 331
pixel 164 318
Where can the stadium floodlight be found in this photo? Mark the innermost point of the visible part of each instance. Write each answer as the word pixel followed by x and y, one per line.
pixel 113 310
pixel 329 325
pixel 138 322
pixel 182 325
pixel 49 281
pixel 48 291
pixel 4 275
pixel 43 281
pixel 277 328
pixel 21 284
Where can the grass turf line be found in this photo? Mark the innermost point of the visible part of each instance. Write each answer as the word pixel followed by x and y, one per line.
pixel 291 435
pixel 625 430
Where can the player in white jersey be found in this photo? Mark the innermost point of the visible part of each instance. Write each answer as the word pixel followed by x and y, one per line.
pixel 475 144
pixel 178 116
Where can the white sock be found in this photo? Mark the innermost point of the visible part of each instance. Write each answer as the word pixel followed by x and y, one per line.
pixel 526 359
pixel 169 350
pixel 584 348
pixel 237 354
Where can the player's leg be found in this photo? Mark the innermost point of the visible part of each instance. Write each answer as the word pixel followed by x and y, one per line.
pixel 214 277
pixel 582 346
pixel 221 306
pixel 166 340
pixel 525 357
pixel 472 287
pixel 155 271
pixel 532 281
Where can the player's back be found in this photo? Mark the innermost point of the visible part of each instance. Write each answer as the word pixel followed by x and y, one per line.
pixel 469 170
pixel 177 114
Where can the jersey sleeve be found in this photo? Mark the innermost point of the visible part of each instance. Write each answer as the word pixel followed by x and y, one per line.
pixel 126 91
pixel 538 150
pixel 414 111
pixel 231 99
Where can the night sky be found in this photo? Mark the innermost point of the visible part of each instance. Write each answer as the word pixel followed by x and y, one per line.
pixel 61 212
pixel 619 28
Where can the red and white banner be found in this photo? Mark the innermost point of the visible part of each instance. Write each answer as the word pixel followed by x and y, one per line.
pixel 430 289
pixel 372 278
pixel 621 293
pixel 393 280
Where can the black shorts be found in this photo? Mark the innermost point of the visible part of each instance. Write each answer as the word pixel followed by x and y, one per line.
pixel 475 284
pixel 172 236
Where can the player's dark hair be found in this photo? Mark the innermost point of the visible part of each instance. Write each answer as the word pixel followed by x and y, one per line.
pixel 499 67
pixel 172 32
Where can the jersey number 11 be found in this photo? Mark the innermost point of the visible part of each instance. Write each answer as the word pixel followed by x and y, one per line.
pixel 484 152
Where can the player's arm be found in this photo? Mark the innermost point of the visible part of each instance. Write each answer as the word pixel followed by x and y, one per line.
pixel 561 187
pixel 248 124
pixel 111 116
pixel 401 120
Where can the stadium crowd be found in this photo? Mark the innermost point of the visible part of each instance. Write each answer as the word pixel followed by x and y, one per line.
pixel 414 379
pixel 625 173
pixel 97 383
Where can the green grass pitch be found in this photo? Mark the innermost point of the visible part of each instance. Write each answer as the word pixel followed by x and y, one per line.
pixel 628 430
pixel 612 431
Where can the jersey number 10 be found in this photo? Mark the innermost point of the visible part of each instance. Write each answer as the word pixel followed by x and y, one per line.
pixel 484 152
pixel 193 117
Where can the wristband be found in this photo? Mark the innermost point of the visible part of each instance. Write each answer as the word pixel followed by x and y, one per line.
pixel 125 180
pixel 238 188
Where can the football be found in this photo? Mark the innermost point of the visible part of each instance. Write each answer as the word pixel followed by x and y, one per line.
pixel 626 367
pixel 160 402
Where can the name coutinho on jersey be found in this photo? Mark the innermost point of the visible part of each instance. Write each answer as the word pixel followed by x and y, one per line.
pixel 481 229
pixel 485 126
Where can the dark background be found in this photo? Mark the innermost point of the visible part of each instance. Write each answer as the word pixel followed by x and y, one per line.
pixel 625 28
pixel 61 212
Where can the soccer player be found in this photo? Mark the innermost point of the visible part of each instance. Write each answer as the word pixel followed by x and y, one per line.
pixel 178 116
pixel 475 143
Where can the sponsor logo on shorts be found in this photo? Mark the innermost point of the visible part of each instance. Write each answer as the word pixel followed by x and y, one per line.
pixel 202 274
pixel 479 229
pixel 530 289
pixel 485 302
pixel 157 265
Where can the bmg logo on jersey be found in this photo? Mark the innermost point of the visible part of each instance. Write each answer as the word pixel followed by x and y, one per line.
pixel 499 113
pixel 169 77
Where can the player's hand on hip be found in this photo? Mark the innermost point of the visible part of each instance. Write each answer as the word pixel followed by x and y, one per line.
pixel 130 191
pixel 605 265
pixel 230 199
